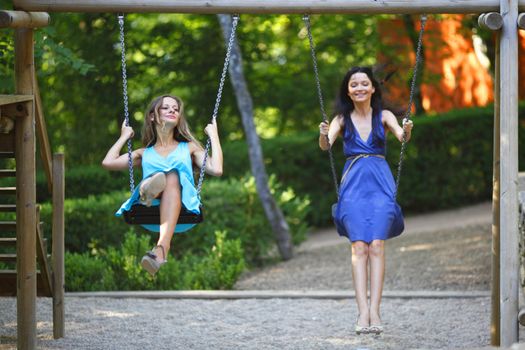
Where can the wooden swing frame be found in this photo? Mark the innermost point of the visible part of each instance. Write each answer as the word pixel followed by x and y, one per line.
pixel 504 18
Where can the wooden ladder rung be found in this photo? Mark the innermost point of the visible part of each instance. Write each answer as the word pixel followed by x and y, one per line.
pixel 7 226
pixel 7 144
pixel 7 208
pixel 7 242
pixel 5 155
pixel 7 190
pixel 7 173
pixel 8 284
pixel 9 258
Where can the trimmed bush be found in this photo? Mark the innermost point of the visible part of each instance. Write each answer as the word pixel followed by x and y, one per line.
pixel 90 222
pixel 119 269
pixel 230 204
pixel 234 205
pixel 448 163
pixel 85 181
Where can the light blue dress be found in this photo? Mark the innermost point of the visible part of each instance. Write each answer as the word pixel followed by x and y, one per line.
pixel 178 160
pixel 367 209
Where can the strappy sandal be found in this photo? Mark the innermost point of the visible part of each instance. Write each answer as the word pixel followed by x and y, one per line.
pixel 376 329
pixel 361 329
pixel 151 188
pixel 150 263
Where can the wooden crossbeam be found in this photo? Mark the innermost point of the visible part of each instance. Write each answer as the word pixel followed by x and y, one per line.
pixel 10 99
pixel 265 6
pixel 20 19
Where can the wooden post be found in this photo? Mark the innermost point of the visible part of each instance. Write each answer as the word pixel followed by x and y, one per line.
pixel 509 239
pixel 58 245
pixel 495 310
pixel 264 6
pixel 25 195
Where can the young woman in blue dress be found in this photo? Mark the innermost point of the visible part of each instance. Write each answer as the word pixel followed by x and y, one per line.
pixel 367 212
pixel 170 151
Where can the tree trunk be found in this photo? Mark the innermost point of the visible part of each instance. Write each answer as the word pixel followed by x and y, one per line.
pixel 413 34
pixel 245 104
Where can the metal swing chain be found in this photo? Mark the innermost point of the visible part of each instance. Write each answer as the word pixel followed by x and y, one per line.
pixel 306 19
pixel 411 100
pixel 125 97
pixel 218 100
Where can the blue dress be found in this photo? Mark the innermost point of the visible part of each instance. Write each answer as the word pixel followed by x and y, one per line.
pixel 367 209
pixel 178 160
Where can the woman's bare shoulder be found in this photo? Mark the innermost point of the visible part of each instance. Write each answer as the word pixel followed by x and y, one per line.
pixel 387 115
pixel 339 119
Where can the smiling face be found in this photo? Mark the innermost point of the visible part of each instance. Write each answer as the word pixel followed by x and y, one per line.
pixel 360 88
pixel 169 111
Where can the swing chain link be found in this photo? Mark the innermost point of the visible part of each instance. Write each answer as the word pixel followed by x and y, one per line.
pixel 125 97
pixel 218 100
pixel 408 112
pixel 306 19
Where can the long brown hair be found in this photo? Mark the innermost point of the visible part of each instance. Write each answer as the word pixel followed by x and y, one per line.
pixel 182 132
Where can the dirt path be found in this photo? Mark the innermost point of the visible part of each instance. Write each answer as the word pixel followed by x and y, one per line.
pixel 449 250
pixel 455 259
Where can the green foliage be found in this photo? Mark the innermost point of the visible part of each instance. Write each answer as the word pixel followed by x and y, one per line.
pixel 232 205
pixel 295 161
pixel 78 63
pixel 119 269
pixel 87 273
pixel 85 181
pixel 90 222
pixel 449 160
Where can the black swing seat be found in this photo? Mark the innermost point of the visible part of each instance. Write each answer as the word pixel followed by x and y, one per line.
pixel 142 215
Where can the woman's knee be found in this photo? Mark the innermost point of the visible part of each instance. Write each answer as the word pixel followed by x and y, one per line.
pixel 377 248
pixel 359 250
pixel 172 180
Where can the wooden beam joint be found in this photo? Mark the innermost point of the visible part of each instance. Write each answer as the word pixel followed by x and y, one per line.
pixel 521 21
pixel 490 20
pixel 21 19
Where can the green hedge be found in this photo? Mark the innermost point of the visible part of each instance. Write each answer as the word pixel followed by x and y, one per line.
pixel 119 268
pixel 230 205
pixel 85 181
pixel 448 163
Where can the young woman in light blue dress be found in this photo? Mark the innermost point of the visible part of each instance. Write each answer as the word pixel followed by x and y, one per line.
pixel 367 212
pixel 167 159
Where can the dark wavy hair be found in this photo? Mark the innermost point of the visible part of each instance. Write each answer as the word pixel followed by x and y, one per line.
pixel 344 105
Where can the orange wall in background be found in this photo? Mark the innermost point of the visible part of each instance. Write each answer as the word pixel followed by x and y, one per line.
pixel 455 76
pixel 521 67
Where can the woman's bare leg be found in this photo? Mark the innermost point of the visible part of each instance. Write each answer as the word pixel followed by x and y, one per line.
pixel 377 277
pixel 170 206
pixel 360 277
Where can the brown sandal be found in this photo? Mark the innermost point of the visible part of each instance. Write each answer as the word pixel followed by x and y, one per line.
pixel 150 263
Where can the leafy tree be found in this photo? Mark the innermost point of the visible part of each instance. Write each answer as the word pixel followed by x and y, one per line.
pixel 78 62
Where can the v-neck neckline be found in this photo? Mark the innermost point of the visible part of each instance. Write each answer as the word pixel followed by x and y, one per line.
pixel 357 131
pixel 168 155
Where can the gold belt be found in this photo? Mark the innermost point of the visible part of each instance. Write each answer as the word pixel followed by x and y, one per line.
pixel 356 158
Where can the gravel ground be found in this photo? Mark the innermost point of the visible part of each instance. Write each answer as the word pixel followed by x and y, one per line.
pixel 453 259
pixel 457 259
pixel 101 323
